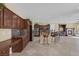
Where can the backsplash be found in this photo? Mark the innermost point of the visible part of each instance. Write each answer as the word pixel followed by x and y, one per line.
pixel 15 32
pixel 18 32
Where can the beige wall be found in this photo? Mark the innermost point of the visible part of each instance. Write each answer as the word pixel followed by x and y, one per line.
pixel 77 26
pixel 5 34
pixel 70 25
pixel 56 26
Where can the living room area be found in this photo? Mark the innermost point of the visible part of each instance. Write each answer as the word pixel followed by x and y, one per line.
pixel 53 44
pixel 53 40
pixel 38 29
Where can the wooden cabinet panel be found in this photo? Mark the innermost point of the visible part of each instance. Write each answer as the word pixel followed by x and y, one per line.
pixel 17 45
pixel 15 21
pixel 1 17
pixel 18 22
pixel 10 20
pixel 4 48
pixel 25 40
pixel 25 24
pixel 7 18
pixel 22 23
pixel 4 51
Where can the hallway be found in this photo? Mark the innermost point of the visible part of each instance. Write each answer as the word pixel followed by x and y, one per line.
pixel 66 46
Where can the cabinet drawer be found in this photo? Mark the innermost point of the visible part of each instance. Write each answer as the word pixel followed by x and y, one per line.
pixel 4 52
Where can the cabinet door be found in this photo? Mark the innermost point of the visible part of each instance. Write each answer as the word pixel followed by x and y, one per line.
pixel 18 23
pixel 22 24
pixel 1 17
pixel 17 45
pixel 7 18
pixel 25 24
pixel 14 21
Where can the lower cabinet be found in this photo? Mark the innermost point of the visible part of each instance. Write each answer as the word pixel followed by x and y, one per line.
pixel 25 42
pixel 17 45
pixel 4 48
pixel 4 51
pixel 7 18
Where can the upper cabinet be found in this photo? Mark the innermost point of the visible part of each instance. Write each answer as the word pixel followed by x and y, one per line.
pixel 7 18
pixel 10 20
pixel 1 16
pixel 16 22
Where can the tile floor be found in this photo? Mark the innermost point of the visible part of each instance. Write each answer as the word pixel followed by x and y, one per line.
pixel 64 46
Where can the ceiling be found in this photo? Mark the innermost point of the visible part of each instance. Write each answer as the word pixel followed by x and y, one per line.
pixel 47 12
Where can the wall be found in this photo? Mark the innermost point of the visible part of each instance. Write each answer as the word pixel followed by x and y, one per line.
pixel 72 25
pixel 56 27
pixel 77 27
pixel 5 34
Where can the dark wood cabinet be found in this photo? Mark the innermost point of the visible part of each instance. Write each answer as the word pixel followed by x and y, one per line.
pixel 26 24
pixel 16 22
pixel 23 24
pixel 10 20
pixel 29 28
pixel 1 17
pixel 17 44
pixel 7 18
pixel 4 47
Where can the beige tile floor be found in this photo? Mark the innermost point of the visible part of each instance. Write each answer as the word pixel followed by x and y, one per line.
pixel 65 46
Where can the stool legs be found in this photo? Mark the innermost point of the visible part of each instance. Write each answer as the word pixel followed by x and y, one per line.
pixel 45 40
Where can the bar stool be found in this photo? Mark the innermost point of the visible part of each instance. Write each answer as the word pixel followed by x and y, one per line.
pixel 43 38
